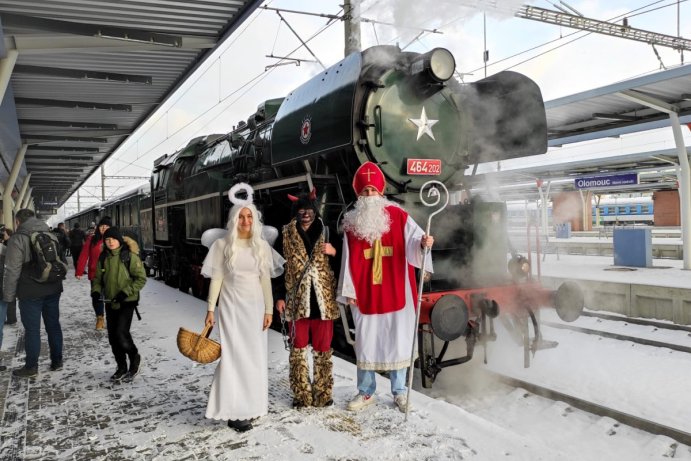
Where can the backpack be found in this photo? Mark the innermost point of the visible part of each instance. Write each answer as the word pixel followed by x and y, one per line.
pixel 45 258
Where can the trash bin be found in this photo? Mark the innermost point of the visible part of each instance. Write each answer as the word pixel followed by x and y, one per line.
pixel 633 247
pixel 563 230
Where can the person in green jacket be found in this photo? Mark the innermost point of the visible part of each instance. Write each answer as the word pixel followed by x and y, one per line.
pixel 119 286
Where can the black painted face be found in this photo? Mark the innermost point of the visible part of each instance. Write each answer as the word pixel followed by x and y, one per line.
pixel 306 216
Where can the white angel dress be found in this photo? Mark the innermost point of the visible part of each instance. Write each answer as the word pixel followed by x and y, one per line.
pixel 240 385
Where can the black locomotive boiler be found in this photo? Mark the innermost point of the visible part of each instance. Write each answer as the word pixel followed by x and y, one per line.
pixel 406 112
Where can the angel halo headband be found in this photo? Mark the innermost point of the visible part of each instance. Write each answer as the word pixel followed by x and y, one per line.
pixel 241 187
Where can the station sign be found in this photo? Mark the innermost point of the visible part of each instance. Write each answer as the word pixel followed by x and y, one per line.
pixel 597 182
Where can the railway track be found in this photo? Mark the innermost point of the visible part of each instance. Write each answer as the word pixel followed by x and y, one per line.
pixel 638 321
pixel 606 334
pixel 597 409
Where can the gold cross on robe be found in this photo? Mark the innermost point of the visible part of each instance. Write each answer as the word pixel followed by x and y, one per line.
pixel 377 252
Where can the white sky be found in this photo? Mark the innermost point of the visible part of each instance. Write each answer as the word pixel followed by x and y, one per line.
pixel 160 415
pixel 232 84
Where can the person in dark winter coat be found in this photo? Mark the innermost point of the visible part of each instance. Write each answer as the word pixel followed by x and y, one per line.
pixel 77 237
pixel 88 257
pixel 119 286
pixel 63 239
pixel 36 300
pixel 308 299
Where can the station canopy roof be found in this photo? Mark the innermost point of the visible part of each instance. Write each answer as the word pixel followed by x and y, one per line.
pixel 89 72
pixel 606 112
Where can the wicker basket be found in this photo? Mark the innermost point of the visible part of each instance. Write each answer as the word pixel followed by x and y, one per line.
pixel 198 347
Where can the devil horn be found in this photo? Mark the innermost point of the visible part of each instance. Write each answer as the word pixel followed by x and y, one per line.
pixel 313 194
pixel 292 198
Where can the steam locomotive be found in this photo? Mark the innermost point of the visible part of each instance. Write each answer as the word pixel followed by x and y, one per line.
pixel 405 112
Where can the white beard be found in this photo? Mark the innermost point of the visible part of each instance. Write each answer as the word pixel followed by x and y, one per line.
pixel 369 220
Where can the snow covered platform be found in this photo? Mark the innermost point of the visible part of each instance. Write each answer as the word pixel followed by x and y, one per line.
pixel 77 414
pixel 661 292
pixel 668 246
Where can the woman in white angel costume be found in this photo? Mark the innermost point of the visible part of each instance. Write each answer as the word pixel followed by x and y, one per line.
pixel 240 263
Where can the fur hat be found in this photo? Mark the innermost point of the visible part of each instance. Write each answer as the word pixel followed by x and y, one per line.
pixel 305 201
pixel 113 233
pixel 368 174
pixel 106 220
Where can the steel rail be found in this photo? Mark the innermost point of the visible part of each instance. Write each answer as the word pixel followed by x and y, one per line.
pixel 633 339
pixel 597 409
pixel 638 321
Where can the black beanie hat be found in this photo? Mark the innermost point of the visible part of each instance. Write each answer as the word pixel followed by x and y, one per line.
pixel 305 201
pixel 106 220
pixel 113 233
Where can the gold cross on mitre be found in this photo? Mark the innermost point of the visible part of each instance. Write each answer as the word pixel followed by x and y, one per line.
pixel 377 252
pixel 369 174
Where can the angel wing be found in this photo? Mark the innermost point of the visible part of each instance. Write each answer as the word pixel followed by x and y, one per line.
pixel 211 235
pixel 270 234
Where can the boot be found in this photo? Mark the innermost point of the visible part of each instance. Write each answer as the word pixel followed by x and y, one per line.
pixel 323 379
pixel 100 322
pixel 300 378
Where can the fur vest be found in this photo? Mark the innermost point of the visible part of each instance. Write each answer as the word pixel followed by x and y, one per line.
pixel 319 276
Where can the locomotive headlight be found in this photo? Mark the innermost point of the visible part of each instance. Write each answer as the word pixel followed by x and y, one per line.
pixel 519 267
pixel 439 64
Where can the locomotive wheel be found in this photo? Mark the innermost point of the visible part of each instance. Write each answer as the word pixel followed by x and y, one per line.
pixel 427 359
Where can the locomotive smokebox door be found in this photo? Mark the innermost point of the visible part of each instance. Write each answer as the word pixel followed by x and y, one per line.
pixel 449 317
pixel 408 124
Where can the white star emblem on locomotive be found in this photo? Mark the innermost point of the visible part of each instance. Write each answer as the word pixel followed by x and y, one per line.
pixel 424 125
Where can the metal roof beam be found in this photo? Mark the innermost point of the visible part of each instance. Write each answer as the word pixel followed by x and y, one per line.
pixel 647 100
pixel 90 150
pixel 72 104
pixel 46 44
pixel 102 132
pixel 40 139
pixel 90 30
pixel 82 74
pixel 68 124
pixel 63 157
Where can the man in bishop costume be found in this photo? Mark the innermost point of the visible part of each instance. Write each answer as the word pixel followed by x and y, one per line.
pixel 381 248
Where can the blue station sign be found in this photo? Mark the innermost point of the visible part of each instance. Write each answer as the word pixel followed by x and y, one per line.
pixel 596 182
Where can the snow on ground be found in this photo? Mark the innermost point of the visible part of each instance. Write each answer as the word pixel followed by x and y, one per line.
pixel 77 414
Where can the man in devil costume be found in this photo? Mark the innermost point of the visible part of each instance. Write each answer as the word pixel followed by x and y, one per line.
pixel 307 297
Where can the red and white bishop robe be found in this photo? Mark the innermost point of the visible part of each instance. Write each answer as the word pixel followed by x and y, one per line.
pixel 382 280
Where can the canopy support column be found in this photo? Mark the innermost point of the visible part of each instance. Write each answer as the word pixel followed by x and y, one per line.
pixel 685 176
pixel 7 202
pixel 22 192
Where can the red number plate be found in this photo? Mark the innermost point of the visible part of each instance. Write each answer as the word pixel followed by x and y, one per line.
pixel 429 167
